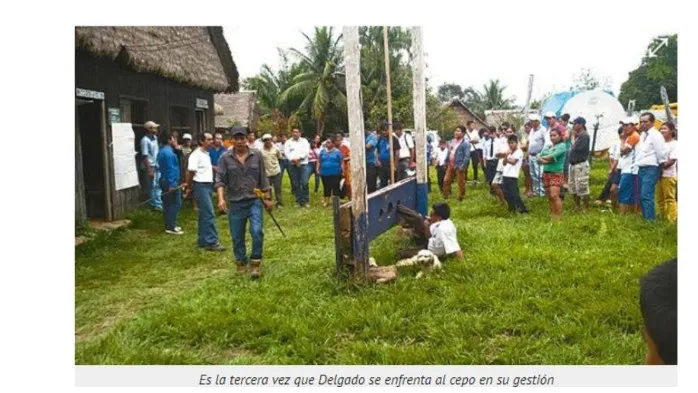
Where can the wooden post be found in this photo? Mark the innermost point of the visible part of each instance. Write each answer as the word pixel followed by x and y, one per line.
pixel 108 178
pixel 667 109
pixel 352 56
pixel 386 50
pixel 420 118
pixel 527 107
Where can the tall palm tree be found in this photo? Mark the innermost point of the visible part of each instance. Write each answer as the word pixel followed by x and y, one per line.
pixel 490 97
pixel 320 82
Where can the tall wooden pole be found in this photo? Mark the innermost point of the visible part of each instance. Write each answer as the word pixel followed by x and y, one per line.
pixel 359 213
pixel 390 104
pixel 420 118
pixel 527 107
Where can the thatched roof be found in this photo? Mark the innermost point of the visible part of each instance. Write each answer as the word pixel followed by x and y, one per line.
pixel 197 56
pixel 240 107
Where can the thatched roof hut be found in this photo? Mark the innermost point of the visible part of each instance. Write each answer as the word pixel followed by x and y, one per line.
pixel 197 56
pixel 464 113
pixel 238 108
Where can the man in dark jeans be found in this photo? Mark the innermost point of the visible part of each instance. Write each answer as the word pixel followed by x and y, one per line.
pixel 383 159
pixel 241 171
pixel 371 158
pixel 473 135
pixel 168 162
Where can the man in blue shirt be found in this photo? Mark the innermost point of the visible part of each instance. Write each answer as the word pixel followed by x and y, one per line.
pixel 216 151
pixel 149 154
pixel 168 161
pixel 383 150
pixel 371 169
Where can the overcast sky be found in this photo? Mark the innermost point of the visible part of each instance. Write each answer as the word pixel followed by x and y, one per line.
pixel 453 55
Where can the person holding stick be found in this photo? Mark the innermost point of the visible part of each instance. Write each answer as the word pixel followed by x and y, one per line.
pixel 241 171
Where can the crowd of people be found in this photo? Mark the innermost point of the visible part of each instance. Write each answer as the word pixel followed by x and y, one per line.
pixel 247 175
pixel 555 162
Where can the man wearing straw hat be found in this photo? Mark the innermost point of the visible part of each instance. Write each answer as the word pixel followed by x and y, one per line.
pixel 149 152
pixel 536 142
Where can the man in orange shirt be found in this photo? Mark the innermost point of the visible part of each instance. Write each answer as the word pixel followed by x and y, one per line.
pixel 628 189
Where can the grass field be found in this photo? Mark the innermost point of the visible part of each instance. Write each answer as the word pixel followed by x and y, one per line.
pixel 529 292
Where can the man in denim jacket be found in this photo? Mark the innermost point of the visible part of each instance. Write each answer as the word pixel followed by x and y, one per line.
pixel 457 163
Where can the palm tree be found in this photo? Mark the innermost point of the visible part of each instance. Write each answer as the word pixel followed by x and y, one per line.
pixel 490 97
pixel 320 82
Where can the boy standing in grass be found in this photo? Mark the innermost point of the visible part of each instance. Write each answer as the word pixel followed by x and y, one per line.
pixel 658 293
pixel 241 170
pixel 510 176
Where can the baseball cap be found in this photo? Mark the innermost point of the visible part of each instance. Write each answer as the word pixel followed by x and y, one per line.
pixel 580 120
pixel 238 131
pixel 534 117
pixel 150 124
pixel 549 114
pixel 629 120
pixel 266 136
pixel 186 136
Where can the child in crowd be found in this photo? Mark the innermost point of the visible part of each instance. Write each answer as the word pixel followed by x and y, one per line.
pixel 510 176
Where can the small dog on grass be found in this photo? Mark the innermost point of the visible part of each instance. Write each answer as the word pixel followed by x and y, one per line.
pixel 425 260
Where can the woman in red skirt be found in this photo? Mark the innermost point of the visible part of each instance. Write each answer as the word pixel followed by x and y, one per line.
pixel 553 160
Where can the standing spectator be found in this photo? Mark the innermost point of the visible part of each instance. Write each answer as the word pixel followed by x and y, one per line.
pixel 243 204
pixel 651 155
pixel 186 145
pixel 371 162
pixel 168 162
pixel 406 157
pixel 430 155
pixel 253 142
pixel 536 142
pixel 330 168
pixel 501 146
pixel 579 164
pixel 457 163
pixel 475 149
pixel 525 165
pixel 510 176
pixel 553 159
pixel 200 181
pixel 297 151
pixel 149 152
pixel 441 162
pixel 489 158
pixel 383 150
pixel 216 151
pixel 272 167
pixel 346 162
pixel 283 161
pixel 313 155
pixel 666 192
pixel 628 188
pixel 610 189
pixel 553 124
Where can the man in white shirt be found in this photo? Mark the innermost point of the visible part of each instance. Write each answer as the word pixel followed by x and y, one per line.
pixel 650 155
pixel 437 233
pixel 406 157
pixel 441 162
pixel 476 149
pixel 501 147
pixel 297 150
pixel 488 156
pixel 200 181
pixel 536 142
pixel 253 142
pixel 149 154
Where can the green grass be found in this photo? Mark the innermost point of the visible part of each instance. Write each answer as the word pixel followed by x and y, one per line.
pixel 529 292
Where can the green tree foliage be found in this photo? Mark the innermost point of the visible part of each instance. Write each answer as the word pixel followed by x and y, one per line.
pixel 321 82
pixel 644 82
pixel 449 91
pixel 492 96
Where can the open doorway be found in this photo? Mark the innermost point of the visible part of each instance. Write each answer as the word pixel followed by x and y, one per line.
pixel 88 123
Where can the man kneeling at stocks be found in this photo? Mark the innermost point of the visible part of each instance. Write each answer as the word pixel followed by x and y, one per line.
pixel 241 170
pixel 435 233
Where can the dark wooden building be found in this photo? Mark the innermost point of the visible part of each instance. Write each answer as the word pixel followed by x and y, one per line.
pixel 464 113
pixel 237 109
pixel 131 75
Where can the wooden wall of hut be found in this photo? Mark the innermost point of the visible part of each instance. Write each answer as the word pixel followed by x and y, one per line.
pixel 120 83
pixel 80 205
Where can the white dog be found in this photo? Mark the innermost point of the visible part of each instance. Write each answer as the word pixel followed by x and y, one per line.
pixel 425 259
